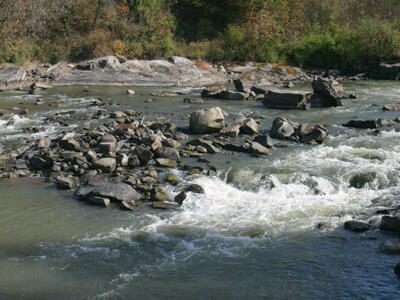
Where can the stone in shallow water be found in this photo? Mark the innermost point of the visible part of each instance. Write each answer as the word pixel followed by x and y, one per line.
pixel 164 205
pixel 389 223
pixel 357 226
pixel 114 191
pixel 65 183
pixel 391 247
pixel 166 162
pixel 358 181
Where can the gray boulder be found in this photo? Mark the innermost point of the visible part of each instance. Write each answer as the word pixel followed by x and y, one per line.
pixel 327 93
pixel 249 127
pixel 282 128
pixel 65 183
pixel 207 120
pixel 106 164
pixel 116 192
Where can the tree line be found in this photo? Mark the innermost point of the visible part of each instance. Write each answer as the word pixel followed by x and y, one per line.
pixel 313 33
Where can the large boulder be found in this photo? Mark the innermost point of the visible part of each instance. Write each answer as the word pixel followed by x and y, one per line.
pixel 282 128
pixel 207 120
pixel 284 100
pixel 116 192
pixel 327 93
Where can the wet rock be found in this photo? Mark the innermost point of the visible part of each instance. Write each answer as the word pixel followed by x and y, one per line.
pixel 4 112
pixel 258 149
pixel 159 194
pixel 391 107
pixel 397 269
pixel 249 127
pixel 164 205
pixel 279 100
pixel 357 226
pixel 326 93
pixel 117 192
pixel 143 155
pixel 167 152
pixel 128 205
pixel 130 92
pixel 65 183
pixel 194 188
pixel 99 201
pixel 117 115
pixel 363 124
pixel 180 197
pixel 391 247
pixel 238 85
pixel 106 164
pixel 311 134
pixel 389 223
pixel 264 140
pixel 40 163
pixel 358 181
pixel 108 147
pixel 193 101
pixel 282 128
pixel 166 162
pixel 211 92
pixel 70 144
pixel 181 137
pixel 171 143
pixel 231 130
pixel 208 145
pixel 258 91
pixel 353 96
pixel 207 121
pixel 383 122
pixel 172 179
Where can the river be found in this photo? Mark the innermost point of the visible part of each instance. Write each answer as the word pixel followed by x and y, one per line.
pixel 266 228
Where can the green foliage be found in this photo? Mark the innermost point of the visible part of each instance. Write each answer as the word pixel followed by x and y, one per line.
pixel 315 33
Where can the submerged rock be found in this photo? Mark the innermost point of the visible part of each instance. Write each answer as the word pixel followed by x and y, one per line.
pixel 391 247
pixel 194 188
pixel 358 181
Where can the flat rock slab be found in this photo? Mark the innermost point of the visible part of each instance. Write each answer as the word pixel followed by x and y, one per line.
pixel 117 192
pixel 283 100
pixel 165 205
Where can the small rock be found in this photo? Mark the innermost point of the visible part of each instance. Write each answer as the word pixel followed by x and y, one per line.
pixel 358 181
pixel 164 205
pixel 107 164
pixel 166 162
pixel 130 92
pixel 180 197
pixel 264 140
pixel 65 183
pixel 194 188
pixel 100 201
pixel 391 247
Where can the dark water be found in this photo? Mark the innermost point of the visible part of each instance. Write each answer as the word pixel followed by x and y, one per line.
pixel 241 240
